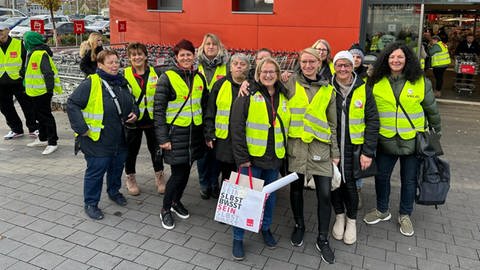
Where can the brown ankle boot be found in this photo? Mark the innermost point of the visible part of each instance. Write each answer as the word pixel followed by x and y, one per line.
pixel 160 182
pixel 131 184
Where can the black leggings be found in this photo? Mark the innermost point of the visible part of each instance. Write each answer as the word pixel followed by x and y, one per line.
pixel 322 189
pixel 438 73
pixel 346 196
pixel 47 126
pixel 134 141
pixel 176 184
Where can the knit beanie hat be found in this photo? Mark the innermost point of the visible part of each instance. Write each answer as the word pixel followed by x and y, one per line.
pixel 356 49
pixel 343 55
pixel 32 39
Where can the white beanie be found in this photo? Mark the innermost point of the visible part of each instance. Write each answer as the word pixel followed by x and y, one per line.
pixel 343 55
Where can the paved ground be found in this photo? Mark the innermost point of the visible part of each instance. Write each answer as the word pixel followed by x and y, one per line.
pixel 43 226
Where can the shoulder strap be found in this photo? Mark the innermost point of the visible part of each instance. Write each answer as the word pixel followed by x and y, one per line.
pixel 114 97
pixel 280 120
pixel 190 87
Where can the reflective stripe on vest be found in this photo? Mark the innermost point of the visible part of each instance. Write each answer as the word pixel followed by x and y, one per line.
pixel 392 119
pixel 193 107
pixel 34 82
pixel 441 58
pixel 309 119
pixel 220 72
pixel 147 102
pixel 356 115
pixel 11 60
pixel 257 126
pixel 93 112
pixel 331 67
pixel 224 104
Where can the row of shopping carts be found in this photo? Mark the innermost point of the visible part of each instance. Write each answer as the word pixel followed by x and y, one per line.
pixel 466 66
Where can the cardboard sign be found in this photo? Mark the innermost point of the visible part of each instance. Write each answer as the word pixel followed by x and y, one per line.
pixel 78 27
pixel 122 26
pixel 37 26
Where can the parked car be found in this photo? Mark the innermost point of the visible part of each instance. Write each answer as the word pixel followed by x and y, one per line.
pixel 93 18
pixel 63 28
pixel 102 27
pixel 23 27
pixel 11 22
pixel 6 13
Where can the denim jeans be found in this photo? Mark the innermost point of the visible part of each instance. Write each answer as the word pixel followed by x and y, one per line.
pixel 268 176
pixel 408 176
pixel 96 169
pixel 208 170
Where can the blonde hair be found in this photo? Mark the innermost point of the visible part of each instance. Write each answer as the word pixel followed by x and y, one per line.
pixel 264 61
pixel 90 44
pixel 216 40
pixel 313 52
pixel 326 44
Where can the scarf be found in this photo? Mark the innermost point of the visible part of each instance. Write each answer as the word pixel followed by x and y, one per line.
pixel 113 80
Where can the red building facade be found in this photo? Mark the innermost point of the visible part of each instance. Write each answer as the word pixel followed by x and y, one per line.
pixel 289 26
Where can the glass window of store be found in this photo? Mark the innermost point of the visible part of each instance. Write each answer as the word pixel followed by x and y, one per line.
pixel 252 6
pixel 165 5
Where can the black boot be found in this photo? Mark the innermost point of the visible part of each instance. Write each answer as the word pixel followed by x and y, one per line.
pixel 298 232
pixel 324 248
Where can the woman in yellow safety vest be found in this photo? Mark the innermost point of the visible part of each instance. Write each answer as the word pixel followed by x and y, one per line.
pixel 179 104
pixel 325 51
pixel 312 145
pixel 217 116
pixel 397 80
pixel 143 82
pixel 41 81
pixel 258 126
pixel 212 63
pixel 440 59
pixel 98 111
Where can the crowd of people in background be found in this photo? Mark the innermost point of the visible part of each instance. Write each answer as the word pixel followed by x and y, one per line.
pixel 227 114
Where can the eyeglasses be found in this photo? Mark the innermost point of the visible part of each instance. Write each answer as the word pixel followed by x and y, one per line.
pixel 311 62
pixel 321 50
pixel 268 72
pixel 343 65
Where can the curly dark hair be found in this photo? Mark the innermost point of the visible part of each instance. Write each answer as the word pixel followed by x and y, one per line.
pixel 412 70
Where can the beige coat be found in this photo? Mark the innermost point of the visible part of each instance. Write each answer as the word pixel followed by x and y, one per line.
pixel 313 158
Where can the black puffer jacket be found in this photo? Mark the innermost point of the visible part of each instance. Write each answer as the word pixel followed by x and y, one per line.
pixel 343 132
pixel 188 143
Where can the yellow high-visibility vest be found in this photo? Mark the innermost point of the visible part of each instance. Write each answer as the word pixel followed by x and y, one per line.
pixel 441 58
pixel 392 119
pixel 193 107
pixel 220 72
pixel 34 82
pixel 147 103
pixel 309 119
pixel 258 123
pixel 356 115
pixel 224 104
pixel 93 112
pixel 11 60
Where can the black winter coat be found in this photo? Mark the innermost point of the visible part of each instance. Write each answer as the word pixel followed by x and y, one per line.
pixel 86 64
pixel 343 132
pixel 188 143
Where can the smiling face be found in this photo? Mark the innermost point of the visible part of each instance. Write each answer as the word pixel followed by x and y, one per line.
pixel 322 51
pixel 357 60
pixel 210 48
pixel 396 62
pixel 309 65
pixel 137 58
pixel 110 64
pixel 185 59
pixel 4 35
pixel 343 70
pixel 238 69
pixel 268 74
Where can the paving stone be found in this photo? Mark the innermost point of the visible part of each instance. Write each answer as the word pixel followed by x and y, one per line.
pixel 279 253
pixel 70 221
pixel 221 251
pixel 104 261
pixel 371 252
pixel 37 239
pixel 156 246
pixel 126 265
pixel 152 231
pixel 47 260
pixel 380 243
pixel 469 263
pixel 58 246
pixel 411 250
pixel 305 260
pixel 71 265
pixel 175 237
pixel 41 225
pixel 442 257
pixel 151 259
pixel 405 260
pixel 206 261
pixel 126 252
pixel 429 265
pixel 231 265
pixel 431 244
pixel 60 231
pixel 176 264
pixel 199 244
pixel 103 244
pixel 6 261
pixel 111 233
pixel 90 226
pixel 462 251
pixel 7 245
pixel 23 266
pixel 81 254
pixel 132 239
pixel 18 233
pixel 81 238
pixel 180 253
pixel 348 258
pixel 273 264
pixel 469 243
pixel 201 232
pixel 371 263
pixel 25 253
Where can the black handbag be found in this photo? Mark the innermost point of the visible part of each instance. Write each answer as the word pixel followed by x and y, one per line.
pixel 357 168
pixel 433 181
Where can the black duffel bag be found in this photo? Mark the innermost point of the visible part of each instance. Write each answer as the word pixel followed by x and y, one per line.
pixel 433 181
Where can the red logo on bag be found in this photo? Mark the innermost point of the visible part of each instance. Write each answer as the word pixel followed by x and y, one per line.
pixel 13 54
pixel 250 222
pixel 34 65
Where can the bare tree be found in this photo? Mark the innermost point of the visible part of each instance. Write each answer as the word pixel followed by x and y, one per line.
pixel 52 6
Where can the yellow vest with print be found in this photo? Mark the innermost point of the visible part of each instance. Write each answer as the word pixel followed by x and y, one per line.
pixel 392 119
pixel 258 123
pixel 220 72
pixel 147 102
pixel 224 104
pixel 441 58
pixel 309 119
pixel 11 60
pixel 420 59
pixel 193 107
pixel 374 44
pixel 34 82
pixel 356 115
pixel 331 66
pixel 93 112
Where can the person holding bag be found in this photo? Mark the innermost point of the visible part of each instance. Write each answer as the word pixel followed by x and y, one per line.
pixel 357 130
pixel 398 79
pixel 143 82
pixel 258 125
pixel 179 103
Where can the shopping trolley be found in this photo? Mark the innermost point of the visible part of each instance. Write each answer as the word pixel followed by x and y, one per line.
pixel 466 66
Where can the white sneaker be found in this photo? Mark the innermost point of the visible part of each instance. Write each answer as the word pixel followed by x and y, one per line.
pixel 37 142
pixel 33 134
pixel 50 149
pixel 12 135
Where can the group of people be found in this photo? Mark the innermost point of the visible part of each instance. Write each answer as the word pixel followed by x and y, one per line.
pixel 229 116
pixel 28 73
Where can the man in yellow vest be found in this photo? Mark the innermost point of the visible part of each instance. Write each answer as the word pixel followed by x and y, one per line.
pixel 41 80
pixel 440 61
pixel 12 61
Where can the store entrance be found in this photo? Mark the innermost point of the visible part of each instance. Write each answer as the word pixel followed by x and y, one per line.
pixel 453 23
